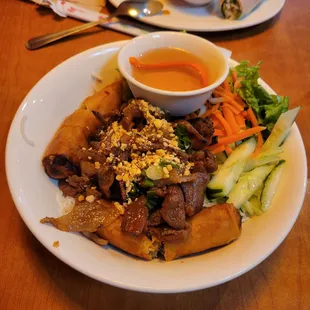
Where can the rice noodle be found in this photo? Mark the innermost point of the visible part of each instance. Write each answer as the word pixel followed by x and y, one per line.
pixel 66 203
pixel 97 77
pixel 22 131
pixel 216 100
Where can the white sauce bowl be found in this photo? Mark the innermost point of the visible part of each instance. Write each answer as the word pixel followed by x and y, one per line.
pixel 198 2
pixel 178 103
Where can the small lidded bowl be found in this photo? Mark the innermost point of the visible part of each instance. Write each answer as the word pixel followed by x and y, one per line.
pixel 178 103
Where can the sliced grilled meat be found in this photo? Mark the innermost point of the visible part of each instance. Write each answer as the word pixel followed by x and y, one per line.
pixel 88 169
pixel 79 183
pixel 67 189
pixel 105 176
pixel 135 217
pixel 207 158
pixel 197 140
pixel 204 126
pixel 155 219
pixel 173 211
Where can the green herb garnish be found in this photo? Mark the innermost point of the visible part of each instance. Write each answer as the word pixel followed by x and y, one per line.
pixel 153 201
pixel 165 163
pixel 184 140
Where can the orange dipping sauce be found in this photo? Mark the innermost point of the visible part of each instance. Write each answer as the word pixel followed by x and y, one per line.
pixel 187 71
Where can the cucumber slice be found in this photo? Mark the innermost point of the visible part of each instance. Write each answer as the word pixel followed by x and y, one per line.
pixel 271 185
pixel 247 207
pixel 227 176
pixel 243 151
pixel 258 193
pixel 262 159
pixel 248 185
pixel 280 129
pixel 222 183
pixel 256 205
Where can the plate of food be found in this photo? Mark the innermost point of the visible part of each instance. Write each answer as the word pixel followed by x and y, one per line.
pixel 143 193
pixel 217 15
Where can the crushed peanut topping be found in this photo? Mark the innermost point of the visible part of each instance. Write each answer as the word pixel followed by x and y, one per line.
pixel 81 198
pixel 119 207
pixel 153 145
pixel 90 198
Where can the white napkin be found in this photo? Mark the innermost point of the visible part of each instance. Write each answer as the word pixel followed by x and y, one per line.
pixel 69 9
pixel 94 5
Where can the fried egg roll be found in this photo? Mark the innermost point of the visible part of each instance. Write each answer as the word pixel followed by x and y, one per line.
pixel 107 100
pixel 60 157
pixel 236 9
pixel 141 245
pixel 212 227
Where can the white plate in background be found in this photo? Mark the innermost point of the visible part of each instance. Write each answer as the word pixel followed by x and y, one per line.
pixel 184 16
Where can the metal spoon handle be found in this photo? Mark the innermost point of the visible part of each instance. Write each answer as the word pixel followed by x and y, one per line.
pixel 40 41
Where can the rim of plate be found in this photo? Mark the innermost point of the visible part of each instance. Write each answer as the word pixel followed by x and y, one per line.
pixel 232 26
pixel 12 180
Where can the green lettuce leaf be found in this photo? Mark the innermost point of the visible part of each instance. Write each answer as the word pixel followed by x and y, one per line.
pixel 267 107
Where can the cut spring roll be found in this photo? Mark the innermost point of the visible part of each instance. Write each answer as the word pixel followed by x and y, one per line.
pixel 60 158
pixel 106 100
pixel 140 246
pixel 212 227
pixel 236 9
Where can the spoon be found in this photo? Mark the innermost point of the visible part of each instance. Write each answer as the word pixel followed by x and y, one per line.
pixel 135 9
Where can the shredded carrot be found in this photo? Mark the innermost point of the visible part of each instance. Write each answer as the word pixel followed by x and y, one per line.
pixel 216 107
pixel 229 99
pixel 240 121
pixel 203 77
pixel 230 118
pixel 213 147
pixel 234 76
pixel 206 114
pixel 224 92
pixel 234 104
pixel 260 140
pixel 231 107
pixel 239 136
pixel 237 84
pixel 226 85
pixel 216 122
pixel 252 118
pixel 223 121
pixel 240 101
pixel 228 149
pixel 245 114
pixel 210 112
pixel 219 149
pixel 219 133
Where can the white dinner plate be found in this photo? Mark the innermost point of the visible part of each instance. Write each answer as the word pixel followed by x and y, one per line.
pixel 184 16
pixel 58 94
